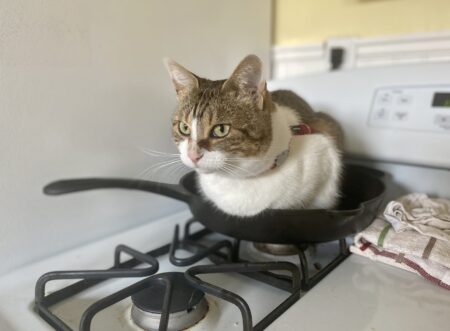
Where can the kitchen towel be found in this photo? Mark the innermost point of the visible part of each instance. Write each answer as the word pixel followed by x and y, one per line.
pixel 417 211
pixel 409 250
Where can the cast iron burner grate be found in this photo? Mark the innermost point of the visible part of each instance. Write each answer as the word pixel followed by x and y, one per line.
pixel 225 255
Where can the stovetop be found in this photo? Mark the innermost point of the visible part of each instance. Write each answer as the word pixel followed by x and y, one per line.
pixel 226 274
pixel 357 295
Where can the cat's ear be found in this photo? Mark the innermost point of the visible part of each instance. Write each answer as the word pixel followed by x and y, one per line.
pixel 247 77
pixel 183 80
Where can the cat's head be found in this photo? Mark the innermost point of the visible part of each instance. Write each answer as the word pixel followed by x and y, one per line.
pixel 221 125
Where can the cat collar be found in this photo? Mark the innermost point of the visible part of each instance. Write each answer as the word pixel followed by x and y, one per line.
pixel 296 130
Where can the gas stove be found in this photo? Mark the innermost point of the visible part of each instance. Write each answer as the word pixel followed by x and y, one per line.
pixel 357 295
pixel 195 281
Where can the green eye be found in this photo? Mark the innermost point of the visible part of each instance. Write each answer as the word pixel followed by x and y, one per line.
pixel 220 131
pixel 184 129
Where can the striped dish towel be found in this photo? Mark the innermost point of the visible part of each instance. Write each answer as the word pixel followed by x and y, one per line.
pixel 409 250
pixel 429 216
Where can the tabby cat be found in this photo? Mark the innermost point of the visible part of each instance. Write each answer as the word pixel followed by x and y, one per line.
pixel 254 149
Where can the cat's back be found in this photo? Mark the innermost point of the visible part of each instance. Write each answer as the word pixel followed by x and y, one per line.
pixel 320 121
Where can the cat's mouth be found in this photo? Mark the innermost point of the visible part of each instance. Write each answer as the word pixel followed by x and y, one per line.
pixel 208 164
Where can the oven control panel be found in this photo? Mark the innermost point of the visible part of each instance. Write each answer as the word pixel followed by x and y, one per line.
pixel 419 108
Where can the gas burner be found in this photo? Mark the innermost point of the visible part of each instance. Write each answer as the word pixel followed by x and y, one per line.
pixel 186 305
pixel 276 249
pixel 174 300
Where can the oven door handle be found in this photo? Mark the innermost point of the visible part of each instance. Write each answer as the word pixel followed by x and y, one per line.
pixel 60 187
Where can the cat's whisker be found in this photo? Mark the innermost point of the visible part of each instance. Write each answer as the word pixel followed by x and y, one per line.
pixel 247 158
pixel 164 165
pixel 236 167
pixel 141 175
pixel 163 156
pixel 234 171
pixel 170 170
pixel 164 172
pixel 145 173
pixel 176 171
pixel 156 153
pixel 161 163
pixel 156 167
pixel 228 171
pixel 149 168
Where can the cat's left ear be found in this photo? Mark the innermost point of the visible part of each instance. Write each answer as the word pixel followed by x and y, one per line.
pixel 247 77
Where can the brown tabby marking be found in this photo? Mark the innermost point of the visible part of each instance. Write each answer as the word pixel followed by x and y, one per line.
pixel 321 122
pixel 243 102
pixel 210 104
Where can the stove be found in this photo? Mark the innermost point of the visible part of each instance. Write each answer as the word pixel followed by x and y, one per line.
pixel 357 295
pixel 198 281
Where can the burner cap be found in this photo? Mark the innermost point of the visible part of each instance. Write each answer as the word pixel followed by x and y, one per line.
pixel 187 305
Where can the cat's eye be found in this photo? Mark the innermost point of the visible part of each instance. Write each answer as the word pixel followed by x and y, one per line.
pixel 184 129
pixel 220 131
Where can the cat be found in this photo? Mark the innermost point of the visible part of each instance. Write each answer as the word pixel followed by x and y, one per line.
pixel 253 149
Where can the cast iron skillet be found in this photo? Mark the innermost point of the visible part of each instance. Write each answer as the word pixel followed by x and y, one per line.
pixel 362 193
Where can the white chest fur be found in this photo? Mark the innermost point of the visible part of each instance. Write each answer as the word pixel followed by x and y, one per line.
pixel 309 177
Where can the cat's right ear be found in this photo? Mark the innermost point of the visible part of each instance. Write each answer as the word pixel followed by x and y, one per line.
pixel 183 80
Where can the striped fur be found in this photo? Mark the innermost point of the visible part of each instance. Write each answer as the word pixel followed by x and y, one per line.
pixel 234 170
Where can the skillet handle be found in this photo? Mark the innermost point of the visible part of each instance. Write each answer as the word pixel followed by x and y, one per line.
pixel 84 184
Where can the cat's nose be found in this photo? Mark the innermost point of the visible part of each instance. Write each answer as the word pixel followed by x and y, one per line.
pixel 194 156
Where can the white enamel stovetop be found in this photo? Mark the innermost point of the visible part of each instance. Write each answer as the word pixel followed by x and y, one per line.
pixel 360 295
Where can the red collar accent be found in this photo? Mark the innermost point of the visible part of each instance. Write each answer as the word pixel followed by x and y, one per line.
pixel 297 130
pixel 302 129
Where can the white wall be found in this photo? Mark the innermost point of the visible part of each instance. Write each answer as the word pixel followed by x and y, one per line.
pixel 82 86
pixel 361 52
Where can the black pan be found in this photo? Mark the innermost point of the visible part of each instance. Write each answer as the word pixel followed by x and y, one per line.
pixel 362 194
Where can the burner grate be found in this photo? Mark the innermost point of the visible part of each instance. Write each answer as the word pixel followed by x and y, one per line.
pixel 91 278
pixel 42 302
pixel 199 252
pixel 225 256
pixel 245 268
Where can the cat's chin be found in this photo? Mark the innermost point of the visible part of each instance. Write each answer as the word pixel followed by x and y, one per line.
pixel 220 173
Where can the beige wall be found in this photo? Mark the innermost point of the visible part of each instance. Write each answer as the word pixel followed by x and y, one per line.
pixel 303 21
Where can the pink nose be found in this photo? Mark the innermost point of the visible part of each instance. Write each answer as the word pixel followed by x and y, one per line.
pixel 195 157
